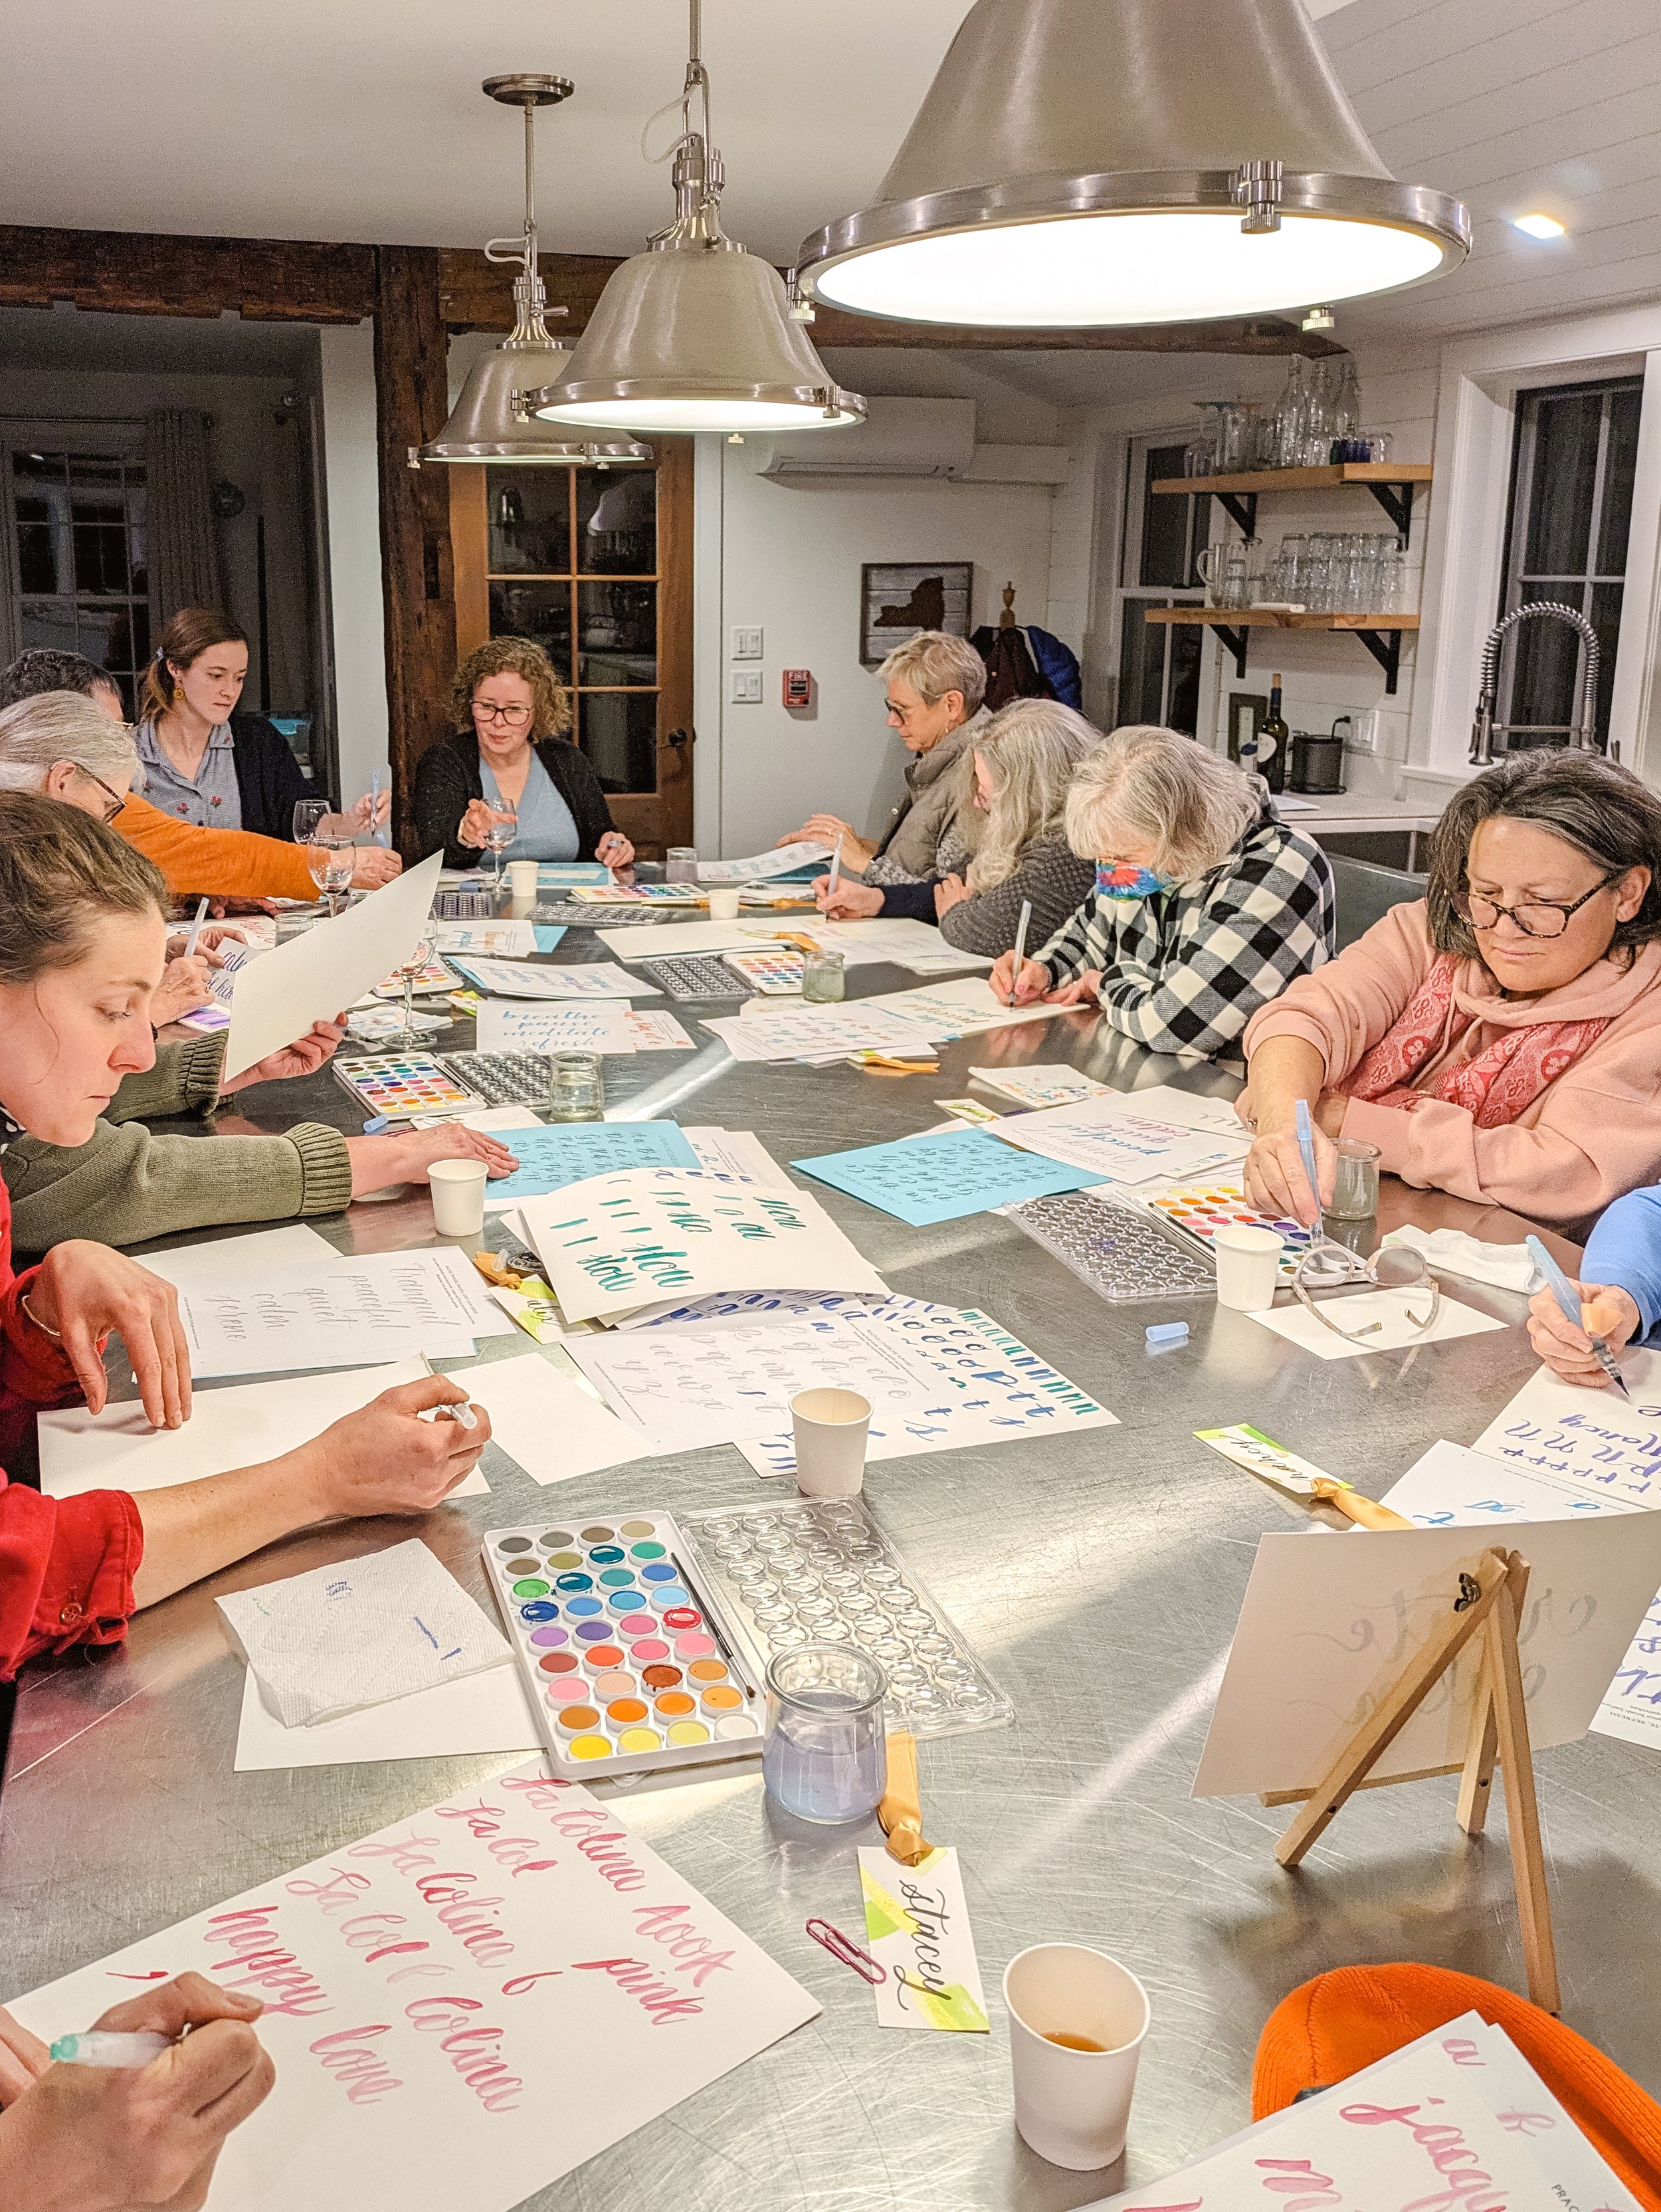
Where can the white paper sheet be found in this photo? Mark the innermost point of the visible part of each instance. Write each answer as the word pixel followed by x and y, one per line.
pixel 346 1314
pixel 1389 1309
pixel 1321 1638
pixel 654 1029
pixel 309 978
pixel 1182 1110
pixel 630 942
pixel 1050 1083
pixel 484 1117
pixel 601 1026
pixel 295 1245
pixel 783 860
pixel 601 979
pixel 501 941
pixel 1592 1438
pixel 741 1307
pixel 787 1032
pixel 480 1713
pixel 1121 1146
pixel 546 1421
pixel 359 1632
pixel 1451 1486
pixel 622 1241
pixel 453 1275
pixel 534 1973
pixel 736 1152
pixel 958 1009
pixel 1630 1707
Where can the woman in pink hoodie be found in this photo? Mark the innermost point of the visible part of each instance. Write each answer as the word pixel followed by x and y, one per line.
pixel 1500 1038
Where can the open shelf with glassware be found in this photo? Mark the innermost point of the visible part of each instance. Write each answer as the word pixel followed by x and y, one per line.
pixel 1380 634
pixel 1391 482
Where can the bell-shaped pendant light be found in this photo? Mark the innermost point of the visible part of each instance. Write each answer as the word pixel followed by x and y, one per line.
pixel 491 420
pixel 1087 162
pixel 696 334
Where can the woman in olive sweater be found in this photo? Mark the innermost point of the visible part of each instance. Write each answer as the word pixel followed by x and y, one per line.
pixel 512 753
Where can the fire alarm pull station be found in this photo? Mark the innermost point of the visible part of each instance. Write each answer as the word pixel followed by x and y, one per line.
pixel 798 687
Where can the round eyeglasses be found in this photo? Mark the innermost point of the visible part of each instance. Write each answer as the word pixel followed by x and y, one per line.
pixel 1327 1266
pixel 1534 917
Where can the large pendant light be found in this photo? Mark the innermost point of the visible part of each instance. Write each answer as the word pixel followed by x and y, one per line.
pixel 696 334
pixel 491 420
pixel 1088 162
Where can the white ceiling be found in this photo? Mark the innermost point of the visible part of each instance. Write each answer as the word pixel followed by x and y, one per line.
pixel 361 119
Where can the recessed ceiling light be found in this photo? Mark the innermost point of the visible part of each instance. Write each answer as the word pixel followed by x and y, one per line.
pixel 1539 226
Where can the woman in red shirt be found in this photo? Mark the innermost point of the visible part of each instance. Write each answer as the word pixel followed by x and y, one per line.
pixel 83 945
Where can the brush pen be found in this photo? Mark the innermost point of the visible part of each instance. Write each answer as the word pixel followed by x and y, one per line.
pixel 1307 1146
pixel 103 2046
pixel 1563 1291
pixel 1019 948
pixel 196 929
pixel 835 870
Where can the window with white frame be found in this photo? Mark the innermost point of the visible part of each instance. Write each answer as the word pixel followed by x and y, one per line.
pixel 1573 472
pixel 1158 664
pixel 73 570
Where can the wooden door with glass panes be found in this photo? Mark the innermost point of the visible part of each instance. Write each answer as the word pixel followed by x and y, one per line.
pixel 595 564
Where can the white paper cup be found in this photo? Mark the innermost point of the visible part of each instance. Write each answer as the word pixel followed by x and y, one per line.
pixel 1248 1263
pixel 723 904
pixel 1073 2106
pixel 458 1187
pixel 831 1427
pixel 522 879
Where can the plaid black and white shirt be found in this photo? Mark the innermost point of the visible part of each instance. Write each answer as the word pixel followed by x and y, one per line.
pixel 1186 970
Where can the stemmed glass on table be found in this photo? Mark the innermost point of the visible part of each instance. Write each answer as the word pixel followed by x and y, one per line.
pixel 330 848
pixel 411 970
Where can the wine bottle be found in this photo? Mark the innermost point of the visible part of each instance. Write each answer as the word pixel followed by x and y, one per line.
pixel 1273 741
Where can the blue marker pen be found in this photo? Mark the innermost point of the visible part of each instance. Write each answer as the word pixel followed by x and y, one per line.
pixel 1563 1291
pixel 1307 1146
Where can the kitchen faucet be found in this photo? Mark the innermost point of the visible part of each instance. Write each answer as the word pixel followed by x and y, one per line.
pixel 1582 723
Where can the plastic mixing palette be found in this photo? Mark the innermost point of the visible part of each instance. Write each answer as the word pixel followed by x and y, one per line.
pixel 775 975
pixel 403 1083
pixel 627 1662
pixel 1200 1209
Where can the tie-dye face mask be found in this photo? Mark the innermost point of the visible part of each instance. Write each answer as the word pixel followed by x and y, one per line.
pixel 1122 880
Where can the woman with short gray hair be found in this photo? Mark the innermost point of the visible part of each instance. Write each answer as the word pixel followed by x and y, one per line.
pixel 1205 905
pixel 61 746
pixel 934 686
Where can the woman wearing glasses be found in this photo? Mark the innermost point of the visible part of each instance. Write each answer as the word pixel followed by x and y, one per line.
pixel 512 760
pixel 1500 1038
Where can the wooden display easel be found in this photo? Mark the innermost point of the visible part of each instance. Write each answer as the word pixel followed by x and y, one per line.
pixel 1490 1604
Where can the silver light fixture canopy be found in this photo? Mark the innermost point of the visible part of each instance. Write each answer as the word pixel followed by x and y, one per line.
pixel 695 334
pixel 1082 163
pixel 491 420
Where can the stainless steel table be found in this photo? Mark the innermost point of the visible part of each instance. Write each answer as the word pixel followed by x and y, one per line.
pixel 1100 1577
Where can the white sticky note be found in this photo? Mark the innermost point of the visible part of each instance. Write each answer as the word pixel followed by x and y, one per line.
pixel 1389 1308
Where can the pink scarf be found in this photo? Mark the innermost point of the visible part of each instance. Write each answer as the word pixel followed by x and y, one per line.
pixel 1495 1087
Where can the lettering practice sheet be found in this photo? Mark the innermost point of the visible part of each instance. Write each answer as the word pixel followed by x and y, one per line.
pixel 818 1032
pixel 622 1241
pixel 563 1154
pixel 1591 1438
pixel 392 1306
pixel 1117 1145
pixel 602 979
pixel 601 1026
pixel 464 2006
pixel 922 1180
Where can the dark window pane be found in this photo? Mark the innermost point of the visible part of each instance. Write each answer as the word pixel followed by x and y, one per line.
pixel 1605 613
pixel 37 561
pixel 52 622
pixel 542 612
pixel 1620 466
pixel 1559 532
pixel 1183 711
pixel 617 521
pixel 529 516
pixel 618 731
pixel 100 557
pixel 1141 665
pixel 1546 655
pixel 1166 556
pixel 618 636
pixel 94 471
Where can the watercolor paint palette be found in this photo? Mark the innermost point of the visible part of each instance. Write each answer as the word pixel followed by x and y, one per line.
pixel 399 1085
pixel 822 1571
pixel 628 1662
pixel 774 974
pixel 1200 1209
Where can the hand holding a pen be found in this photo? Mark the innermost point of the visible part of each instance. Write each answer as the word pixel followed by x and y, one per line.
pixel 1606 1311
pixel 383 1459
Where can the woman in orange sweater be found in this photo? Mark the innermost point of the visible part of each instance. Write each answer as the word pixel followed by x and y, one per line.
pixel 1500 1038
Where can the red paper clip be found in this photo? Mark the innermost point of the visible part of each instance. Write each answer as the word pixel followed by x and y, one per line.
pixel 845 1948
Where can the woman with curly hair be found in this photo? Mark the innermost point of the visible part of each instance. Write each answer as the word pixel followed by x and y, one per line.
pixel 510 751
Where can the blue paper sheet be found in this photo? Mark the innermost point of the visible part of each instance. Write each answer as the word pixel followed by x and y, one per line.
pixel 547 934
pixel 562 1153
pixel 554 873
pixel 920 1180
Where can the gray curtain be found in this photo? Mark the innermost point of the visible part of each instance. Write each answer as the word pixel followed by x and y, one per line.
pixel 184 547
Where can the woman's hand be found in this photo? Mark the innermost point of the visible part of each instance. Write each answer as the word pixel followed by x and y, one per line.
pixel 373 865
pixel 379 1161
pixel 475 824
pixel 825 829
pixel 383 1460
pixel 24 2058
pixel 1033 985
pixel 1080 992
pixel 98 2139
pixel 848 901
pixel 1275 1182
pixel 615 851
pixel 1605 1309
pixel 184 986
pixel 85 1293
pixel 303 1057
pixel 949 892
pixel 357 813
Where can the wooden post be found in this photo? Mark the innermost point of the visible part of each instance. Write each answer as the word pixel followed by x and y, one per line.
pixel 418 580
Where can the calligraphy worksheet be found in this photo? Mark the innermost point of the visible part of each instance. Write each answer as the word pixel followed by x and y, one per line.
pixel 345 1313
pixel 923 1180
pixel 1121 1146
pixel 601 1026
pixel 463 2007
pixel 1591 1438
pixel 789 1032
pixel 563 1154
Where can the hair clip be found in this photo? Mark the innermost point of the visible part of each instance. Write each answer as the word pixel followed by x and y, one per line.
pixel 844 1948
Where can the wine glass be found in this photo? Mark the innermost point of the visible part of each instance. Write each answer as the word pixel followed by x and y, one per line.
pixel 309 816
pixel 503 829
pixel 421 954
pixel 331 859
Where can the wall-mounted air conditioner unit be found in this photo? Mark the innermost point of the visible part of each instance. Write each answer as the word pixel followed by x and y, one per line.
pixel 898 438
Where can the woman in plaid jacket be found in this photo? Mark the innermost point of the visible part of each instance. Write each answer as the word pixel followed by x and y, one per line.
pixel 1205 905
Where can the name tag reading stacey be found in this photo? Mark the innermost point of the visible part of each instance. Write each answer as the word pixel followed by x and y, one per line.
pixel 916 1924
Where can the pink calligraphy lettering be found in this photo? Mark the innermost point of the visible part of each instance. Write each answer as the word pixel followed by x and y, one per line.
pixel 669 1924
pixel 462 1915
pixel 1469 2189
pixel 472 2049
pixel 248 1939
pixel 660 1999
pixel 522 1985
pixel 362 2073
pixel 1297 2182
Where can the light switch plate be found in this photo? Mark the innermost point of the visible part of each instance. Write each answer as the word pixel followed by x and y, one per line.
pixel 746 643
pixel 745 687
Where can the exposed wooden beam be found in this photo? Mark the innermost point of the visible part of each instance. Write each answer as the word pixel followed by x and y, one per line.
pixel 135 273
pixel 417 572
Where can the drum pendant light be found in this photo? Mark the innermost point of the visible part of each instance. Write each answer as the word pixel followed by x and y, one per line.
pixel 1087 162
pixel 696 334
pixel 490 420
